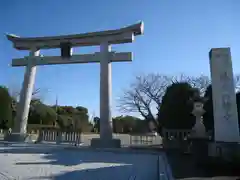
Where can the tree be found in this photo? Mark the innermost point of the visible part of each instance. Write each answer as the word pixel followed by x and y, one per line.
pixel 15 93
pixel 35 102
pixel 199 82
pixel 71 117
pixel 5 108
pixel 208 117
pixel 237 82
pixel 202 82
pixel 144 95
pixel 176 109
pixel 81 119
pixel 40 113
pixel 96 126
pixel 238 107
pixel 125 124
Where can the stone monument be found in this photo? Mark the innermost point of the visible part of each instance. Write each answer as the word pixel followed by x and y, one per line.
pixel 226 128
pixel 104 39
pixel 224 98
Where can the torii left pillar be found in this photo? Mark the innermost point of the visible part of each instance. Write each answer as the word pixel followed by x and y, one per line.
pixel 20 125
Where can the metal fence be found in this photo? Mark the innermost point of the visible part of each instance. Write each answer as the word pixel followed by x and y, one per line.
pixel 171 134
pixel 77 138
pixel 176 139
pixel 143 139
pixel 59 137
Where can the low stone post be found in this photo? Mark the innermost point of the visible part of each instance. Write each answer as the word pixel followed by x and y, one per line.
pixel 58 137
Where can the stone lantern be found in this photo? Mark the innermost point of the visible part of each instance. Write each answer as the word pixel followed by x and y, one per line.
pixel 198 137
pixel 199 128
pixel 198 131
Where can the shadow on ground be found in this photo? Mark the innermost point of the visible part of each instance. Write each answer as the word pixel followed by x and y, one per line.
pixel 92 165
pixel 73 157
pixel 183 167
pixel 95 174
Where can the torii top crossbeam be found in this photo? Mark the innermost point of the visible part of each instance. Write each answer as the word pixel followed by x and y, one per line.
pixel 118 36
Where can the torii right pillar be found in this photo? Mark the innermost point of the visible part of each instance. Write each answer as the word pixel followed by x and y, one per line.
pixel 106 138
pixel 226 127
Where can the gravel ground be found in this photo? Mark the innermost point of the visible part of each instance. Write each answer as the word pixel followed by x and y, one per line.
pixel 32 162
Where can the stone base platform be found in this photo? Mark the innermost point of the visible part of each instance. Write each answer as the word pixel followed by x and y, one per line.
pixel 16 137
pixel 199 149
pixel 103 143
pixel 225 150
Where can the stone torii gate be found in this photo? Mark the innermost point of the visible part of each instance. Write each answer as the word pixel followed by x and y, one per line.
pixel 104 39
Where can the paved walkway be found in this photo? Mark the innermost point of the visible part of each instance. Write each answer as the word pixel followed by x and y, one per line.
pixel 32 162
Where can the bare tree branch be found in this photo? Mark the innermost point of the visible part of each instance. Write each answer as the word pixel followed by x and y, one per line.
pixel 145 94
pixel 15 93
pixel 237 82
pixel 199 82
pixel 36 91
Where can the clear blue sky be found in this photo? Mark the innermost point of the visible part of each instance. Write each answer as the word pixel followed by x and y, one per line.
pixel 178 36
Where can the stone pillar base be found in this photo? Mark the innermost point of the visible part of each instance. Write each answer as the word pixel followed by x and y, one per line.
pixel 200 150
pixel 16 137
pixel 224 150
pixel 102 143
